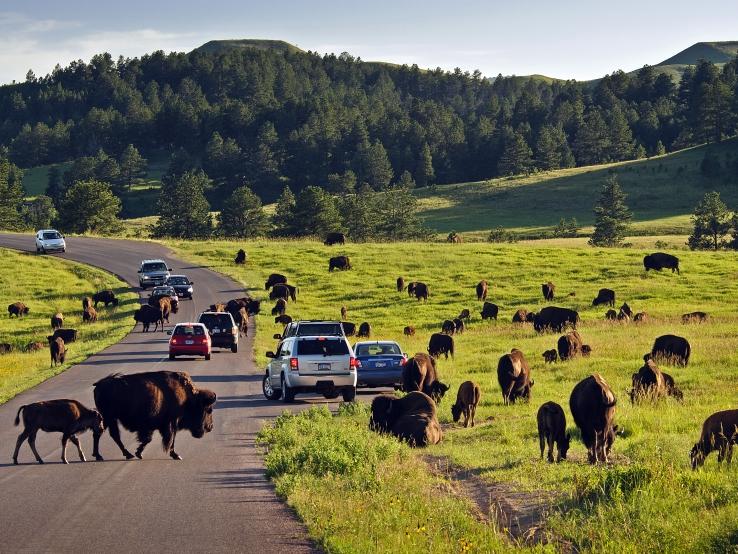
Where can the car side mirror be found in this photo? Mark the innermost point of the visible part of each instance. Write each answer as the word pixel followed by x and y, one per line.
pixel 270 354
pixel 192 282
pixel 139 271
pixel 169 269
pixel 277 336
pixel 169 332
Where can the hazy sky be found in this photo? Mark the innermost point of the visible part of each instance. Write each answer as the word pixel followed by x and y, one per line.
pixel 564 38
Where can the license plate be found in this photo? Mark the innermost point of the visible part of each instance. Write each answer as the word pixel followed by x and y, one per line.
pixel 216 330
pixel 324 366
pixel 380 364
pixel 189 342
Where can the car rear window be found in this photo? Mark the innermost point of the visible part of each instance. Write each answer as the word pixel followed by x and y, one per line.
pixel 322 347
pixel 52 236
pixel 224 321
pixel 190 330
pixel 377 350
pixel 178 281
pixel 319 329
pixel 154 267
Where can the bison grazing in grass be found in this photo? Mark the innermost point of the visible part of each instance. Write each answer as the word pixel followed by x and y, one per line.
pixel 57 349
pixel 400 284
pixel 334 238
pixel 409 331
pixel 106 297
pixel 640 317
pixel 421 291
pixel 274 279
pixel 57 320
pixel 464 314
pixel 571 345
pixel 441 344
pixel 550 356
pixel 412 418
pixel 611 315
pixel 164 401
pixel 719 433
pixel 482 290
pixel 5 348
pixel 365 330
pixel 520 316
pixel 671 349
pixel 625 313
pixel 448 327
pixel 86 302
pixel 67 417
pixel 467 400
pixel 555 319
pixel 411 288
pixel 513 375
pixel 548 290
pixel 489 311
pixel 552 429
pixel 652 383
pixel 18 309
pixel 459 325
pixel 67 335
pixel 419 374
pixel 284 291
pixel 659 261
pixel 592 404
pixel 694 317
pixel 89 315
pixel 240 258
pixel 280 307
pixel 284 319
pixel 341 263
pixel 604 296
pixel 349 329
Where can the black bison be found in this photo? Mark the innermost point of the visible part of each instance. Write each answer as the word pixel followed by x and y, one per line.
pixel 555 319
pixel 86 302
pixel 280 307
pixel 659 261
pixel 164 401
pixel 513 375
pixel 344 312
pixel 611 315
pixel 334 238
pixel 89 315
pixel 421 290
pixel 720 433
pixel 464 314
pixel 146 315
pixel 57 320
pixel 651 383
pixel 441 344
pixel 482 290
pixel 240 257
pixel 490 311
pixel 604 296
pixel 349 329
pixel 592 404
pixel 571 345
pixel 467 399
pixel 625 313
pixel 67 417
pixel 57 350
pixel 419 374
pixel 365 330
pixel 671 349
pixel 17 309
pixel 252 305
pixel 283 290
pixel 411 288
pixel 448 327
pixel 548 290
pixel 550 356
pixel 5 348
pixel 275 279
pixel 412 418
pixel 459 325
pixel 400 284
pixel 106 297
pixel 552 429
pixel 67 335
pixel 409 331
pixel 694 317
pixel 339 262
pixel 284 319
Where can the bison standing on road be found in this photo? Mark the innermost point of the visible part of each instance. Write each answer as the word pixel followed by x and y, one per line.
pixel 659 261
pixel 555 319
pixel 467 399
pixel 552 429
pixel 604 296
pixel 412 418
pixel 106 297
pixel 513 375
pixel 339 262
pixel 146 315
pixel 164 401
pixel 17 309
pixel 334 238
pixel 548 290
pixel 482 290
pixel 419 374
pixel 274 279
pixel 671 349
pixel 57 349
pixel 592 404
pixel 720 433
pixel 441 344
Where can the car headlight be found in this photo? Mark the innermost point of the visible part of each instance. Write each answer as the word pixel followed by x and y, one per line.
pixel 189 289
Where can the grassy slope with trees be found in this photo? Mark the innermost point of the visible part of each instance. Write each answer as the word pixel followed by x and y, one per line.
pixel 46 285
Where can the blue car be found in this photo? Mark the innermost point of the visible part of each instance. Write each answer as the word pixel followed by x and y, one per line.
pixel 380 364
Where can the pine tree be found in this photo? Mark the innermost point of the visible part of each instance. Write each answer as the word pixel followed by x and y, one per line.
pixel 39 213
pixel 284 214
pixel 183 210
pixel 659 150
pixel 592 140
pixel 517 156
pixel 547 155
pixel 54 186
pixel 242 215
pixel 621 137
pixel 612 216
pixel 375 167
pixel 132 165
pixel 405 181
pixel 397 216
pixel 315 213
pixel 712 221
pixel 90 207
pixel 11 196
pixel 424 173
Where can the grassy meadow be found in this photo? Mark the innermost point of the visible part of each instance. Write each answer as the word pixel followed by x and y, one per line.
pixel 46 285
pixel 648 498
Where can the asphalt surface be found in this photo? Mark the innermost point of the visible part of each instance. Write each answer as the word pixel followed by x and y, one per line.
pixel 216 499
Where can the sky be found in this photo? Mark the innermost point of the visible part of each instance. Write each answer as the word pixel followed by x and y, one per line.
pixel 565 38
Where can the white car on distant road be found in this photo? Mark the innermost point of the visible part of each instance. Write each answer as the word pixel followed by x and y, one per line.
pixel 50 240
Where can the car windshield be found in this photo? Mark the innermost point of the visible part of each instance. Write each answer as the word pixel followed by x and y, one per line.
pixel 378 349
pixel 178 281
pixel 157 266
pixel 320 329
pixel 224 321
pixel 51 235
pixel 189 330
pixel 162 291
pixel 322 347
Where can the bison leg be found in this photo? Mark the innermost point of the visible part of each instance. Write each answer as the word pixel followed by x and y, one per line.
pixel 75 442
pixel 473 414
pixel 144 437
pixel 23 436
pixel 32 443
pixel 550 442
pixel 168 434
pixel 64 440
pixel 542 443
pixel 115 435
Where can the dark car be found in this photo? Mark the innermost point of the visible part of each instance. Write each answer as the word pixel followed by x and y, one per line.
pixel 380 363
pixel 223 330
pixel 181 285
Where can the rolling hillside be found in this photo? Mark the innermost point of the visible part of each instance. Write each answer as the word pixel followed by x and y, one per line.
pixel 216 46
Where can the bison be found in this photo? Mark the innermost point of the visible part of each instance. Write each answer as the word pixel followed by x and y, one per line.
pixel 240 257
pixel 441 344
pixel 625 313
pixel 550 356
pixel 89 315
pixel 86 302
pixel 694 317
pixel 365 330
pixel 284 319
pixel 341 263
pixel 592 404
pixel 106 297
pixel 219 307
pixel 34 346
pixel 489 311
pixel 448 327
pixel 611 315
pixel 650 382
pixel 671 349
pixel 604 296
pixel 459 325
pixel 349 329
pixel 419 374
pixel 146 315
pixel 553 318
pixel 421 290
pixel 548 290
pixel 482 290
pixel 513 375
pixel 720 433
pixel 18 309
pixel 640 317
pixel 400 284
pixel 280 307
pixel 520 316
pixel 411 288
pixel 67 417
pixel 334 238
pixel 467 399
pixel 570 345
pixel 284 291
pixel 344 313
pixel 552 429
pixel 274 279
pixel 165 307
pixel 5 348
pixel 57 320
pixel 659 261
pixel 412 418
pixel 464 314
pixel 164 401
pixel 241 319
pixel 409 331
pixel 67 335
pixel 57 349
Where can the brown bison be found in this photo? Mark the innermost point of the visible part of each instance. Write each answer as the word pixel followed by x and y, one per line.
pixel 448 327
pixel 659 261
pixel 365 330
pixel 459 325
pixel 400 284
pixel 464 314
pixel 719 433
pixel 5 348
pixel 240 257
pixel 489 311
pixel 67 417
pixel 419 374
pixel 219 307
pixel 165 307
pixel 146 315
pixel 604 296
pixel 552 429
pixel 67 335
pixel 548 290
pixel 164 401
pixel 441 344
pixel 241 319
pixel 482 290
pixel 651 383
pixel 86 302
pixel 592 404
pixel 513 375
pixel 409 331
pixel 106 297
pixel 280 307
pixel 555 319
pixel 18 309
pixel 341 263
pixel 275 279
pixel 412 418
pixel 421 290
pixel 89 315
pixel 671 349
pixel 35 346
pixel 521 315
pixel 694 317
pixel 550 356
pixel 611 315
pixel 57 320
pixel 344 312
pixel 349 329
pixel 57 349
pixel 640 317
pixel 571 345
pixel 334 238
pixel 284 319
pixel 467 399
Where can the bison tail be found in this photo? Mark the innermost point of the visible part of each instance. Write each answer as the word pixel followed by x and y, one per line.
pixel 17 416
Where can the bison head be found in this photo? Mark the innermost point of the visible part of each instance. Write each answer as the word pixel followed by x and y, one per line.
pixel 198 417
pixel 456 410
pixel 586 350
pixel 382 417
pixel 437 390
pixel 697 456
pixel 564 446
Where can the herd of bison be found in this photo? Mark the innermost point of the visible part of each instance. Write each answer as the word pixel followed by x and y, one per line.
pixel 167 401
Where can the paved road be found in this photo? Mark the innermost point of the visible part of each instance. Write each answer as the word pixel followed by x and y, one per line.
pixel 215 500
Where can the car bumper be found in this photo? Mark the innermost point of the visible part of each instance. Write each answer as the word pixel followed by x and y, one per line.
pixel 224 341
pixel 309 383
pixel 53 248
pixel 375 378
pixel 194 350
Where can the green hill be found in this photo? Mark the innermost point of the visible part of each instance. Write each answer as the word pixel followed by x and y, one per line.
pixel 715 52
pixel 215 46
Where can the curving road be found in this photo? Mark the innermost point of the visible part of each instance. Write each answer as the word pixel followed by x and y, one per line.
pixel 215 500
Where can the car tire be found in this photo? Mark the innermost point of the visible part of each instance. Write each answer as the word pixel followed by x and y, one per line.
pixel 234 348
pixel 207 357
pixel 172 356
pixel 331 395
pixel 288 395
pixel 270 393
pixel 349 394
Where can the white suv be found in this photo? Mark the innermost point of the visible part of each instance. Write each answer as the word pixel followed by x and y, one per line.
pixel 311 364
pixel 50 240
pixel 153 273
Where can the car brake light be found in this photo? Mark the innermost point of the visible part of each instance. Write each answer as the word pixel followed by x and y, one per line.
pixel 174 340
pixel 294 366
pixel 354 363
pixel 404 360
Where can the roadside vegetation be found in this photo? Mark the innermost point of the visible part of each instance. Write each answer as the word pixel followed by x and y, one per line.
pixel 649 496
pixel 48 285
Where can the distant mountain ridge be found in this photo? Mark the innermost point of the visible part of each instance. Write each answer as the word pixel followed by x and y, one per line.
pixel 214 46
pixel 715 52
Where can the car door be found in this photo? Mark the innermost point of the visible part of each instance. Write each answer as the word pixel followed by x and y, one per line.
pixel 277 365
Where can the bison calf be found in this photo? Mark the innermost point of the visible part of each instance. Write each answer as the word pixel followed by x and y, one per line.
pixel 409 331
pixel 550 356
pixel 89 315
pixel 720 433
pixel 57 320
pixel 467 399
pixel 694 317
pixel 552 429
pixel 68 417
pixel 17 309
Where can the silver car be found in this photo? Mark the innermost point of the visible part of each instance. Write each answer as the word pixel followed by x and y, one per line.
pixel 313 364
pixel 50 240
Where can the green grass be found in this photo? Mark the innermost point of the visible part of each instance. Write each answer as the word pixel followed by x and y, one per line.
pixel 649 497
pixel 47 285
pixel 662 193
pixel 36 178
